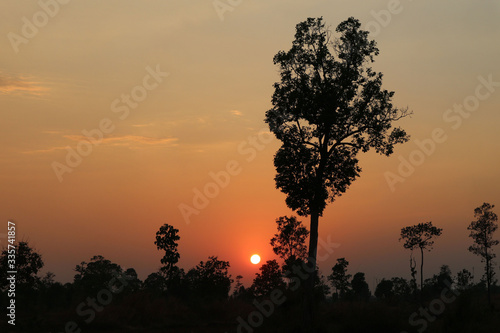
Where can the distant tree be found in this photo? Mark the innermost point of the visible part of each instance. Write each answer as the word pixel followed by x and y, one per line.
pixel 210 279
pixel 360 288
pixel 52 293
pixel 321 288
pixel 328 107
pixel 339 277
pixel 464 280
pixel 97 274
pixel 48 279
pixel 420 236
pixel 401 288
pixel 435 285
pixel 393 289
pixel 269 279
pixel 133 282
pixel 239 288
pixel 444 276
pixel 481 231
pixel 384 289
pixel 27 263
pixel 289 242
pixel 166 240
pixel 155 282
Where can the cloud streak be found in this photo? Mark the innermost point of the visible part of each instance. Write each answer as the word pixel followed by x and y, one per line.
pixel 20 84
pixel 129 141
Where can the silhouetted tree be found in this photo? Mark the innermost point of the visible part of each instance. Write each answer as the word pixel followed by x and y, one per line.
pixel 133 282
pixel 481 231
pixel 166 240
pixel 384 289
pixel 401 288
pixel 464 280
pixel 328 106
pixel 155 282
pixel 339 277
pixel 27 263
pixel 289 242
pixel 439 281
pixel 238 287
pixel 52 293
pixel 360 288
pixel 420 236
pixel 210 279
pixel 269 279
pixel 393 290
pixel 97 274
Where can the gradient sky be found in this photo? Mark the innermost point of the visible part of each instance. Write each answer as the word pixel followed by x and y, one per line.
pixel 65 78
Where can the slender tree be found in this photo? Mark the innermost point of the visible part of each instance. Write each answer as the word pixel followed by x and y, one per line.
pixel 289 241
pixel 339 277
pixel 166 240
pixel 420 236
pixel 328 106
pixel 464 280
pixel 481 231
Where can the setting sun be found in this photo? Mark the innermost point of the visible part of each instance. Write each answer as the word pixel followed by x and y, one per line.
pixel 255 259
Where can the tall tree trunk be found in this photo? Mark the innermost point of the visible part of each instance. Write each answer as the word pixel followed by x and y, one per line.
pixel 309 290
pixel 488 279
pixel 421 273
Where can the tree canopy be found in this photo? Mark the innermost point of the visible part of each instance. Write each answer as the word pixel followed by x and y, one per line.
pixel 481 231
pixel 328 106
pixel 166 240
pixel 420 236
pixel 289 241
pixel 28 263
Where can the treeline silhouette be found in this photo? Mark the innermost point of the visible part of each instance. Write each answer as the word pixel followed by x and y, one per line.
pixel 107 297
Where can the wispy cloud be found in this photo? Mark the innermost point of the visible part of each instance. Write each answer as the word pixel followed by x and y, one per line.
pixel 129 141
pixel 20 84
pixel 236 112
pixel 143 125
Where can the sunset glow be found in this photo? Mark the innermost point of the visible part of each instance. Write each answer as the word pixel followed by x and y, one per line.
pixel 119 117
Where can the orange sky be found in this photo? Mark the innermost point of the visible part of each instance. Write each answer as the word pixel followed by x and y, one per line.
pixel 73 73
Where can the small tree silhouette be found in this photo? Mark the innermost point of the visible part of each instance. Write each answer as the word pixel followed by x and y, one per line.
pixel 482 230
pixel 289 242
pixel 339 277
pixel 96 274
pixel 27 264
pixel 210 279
pixel 166 240
pixel 420 236
pixel 464 280
pixel 269 279
pixel 360 288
